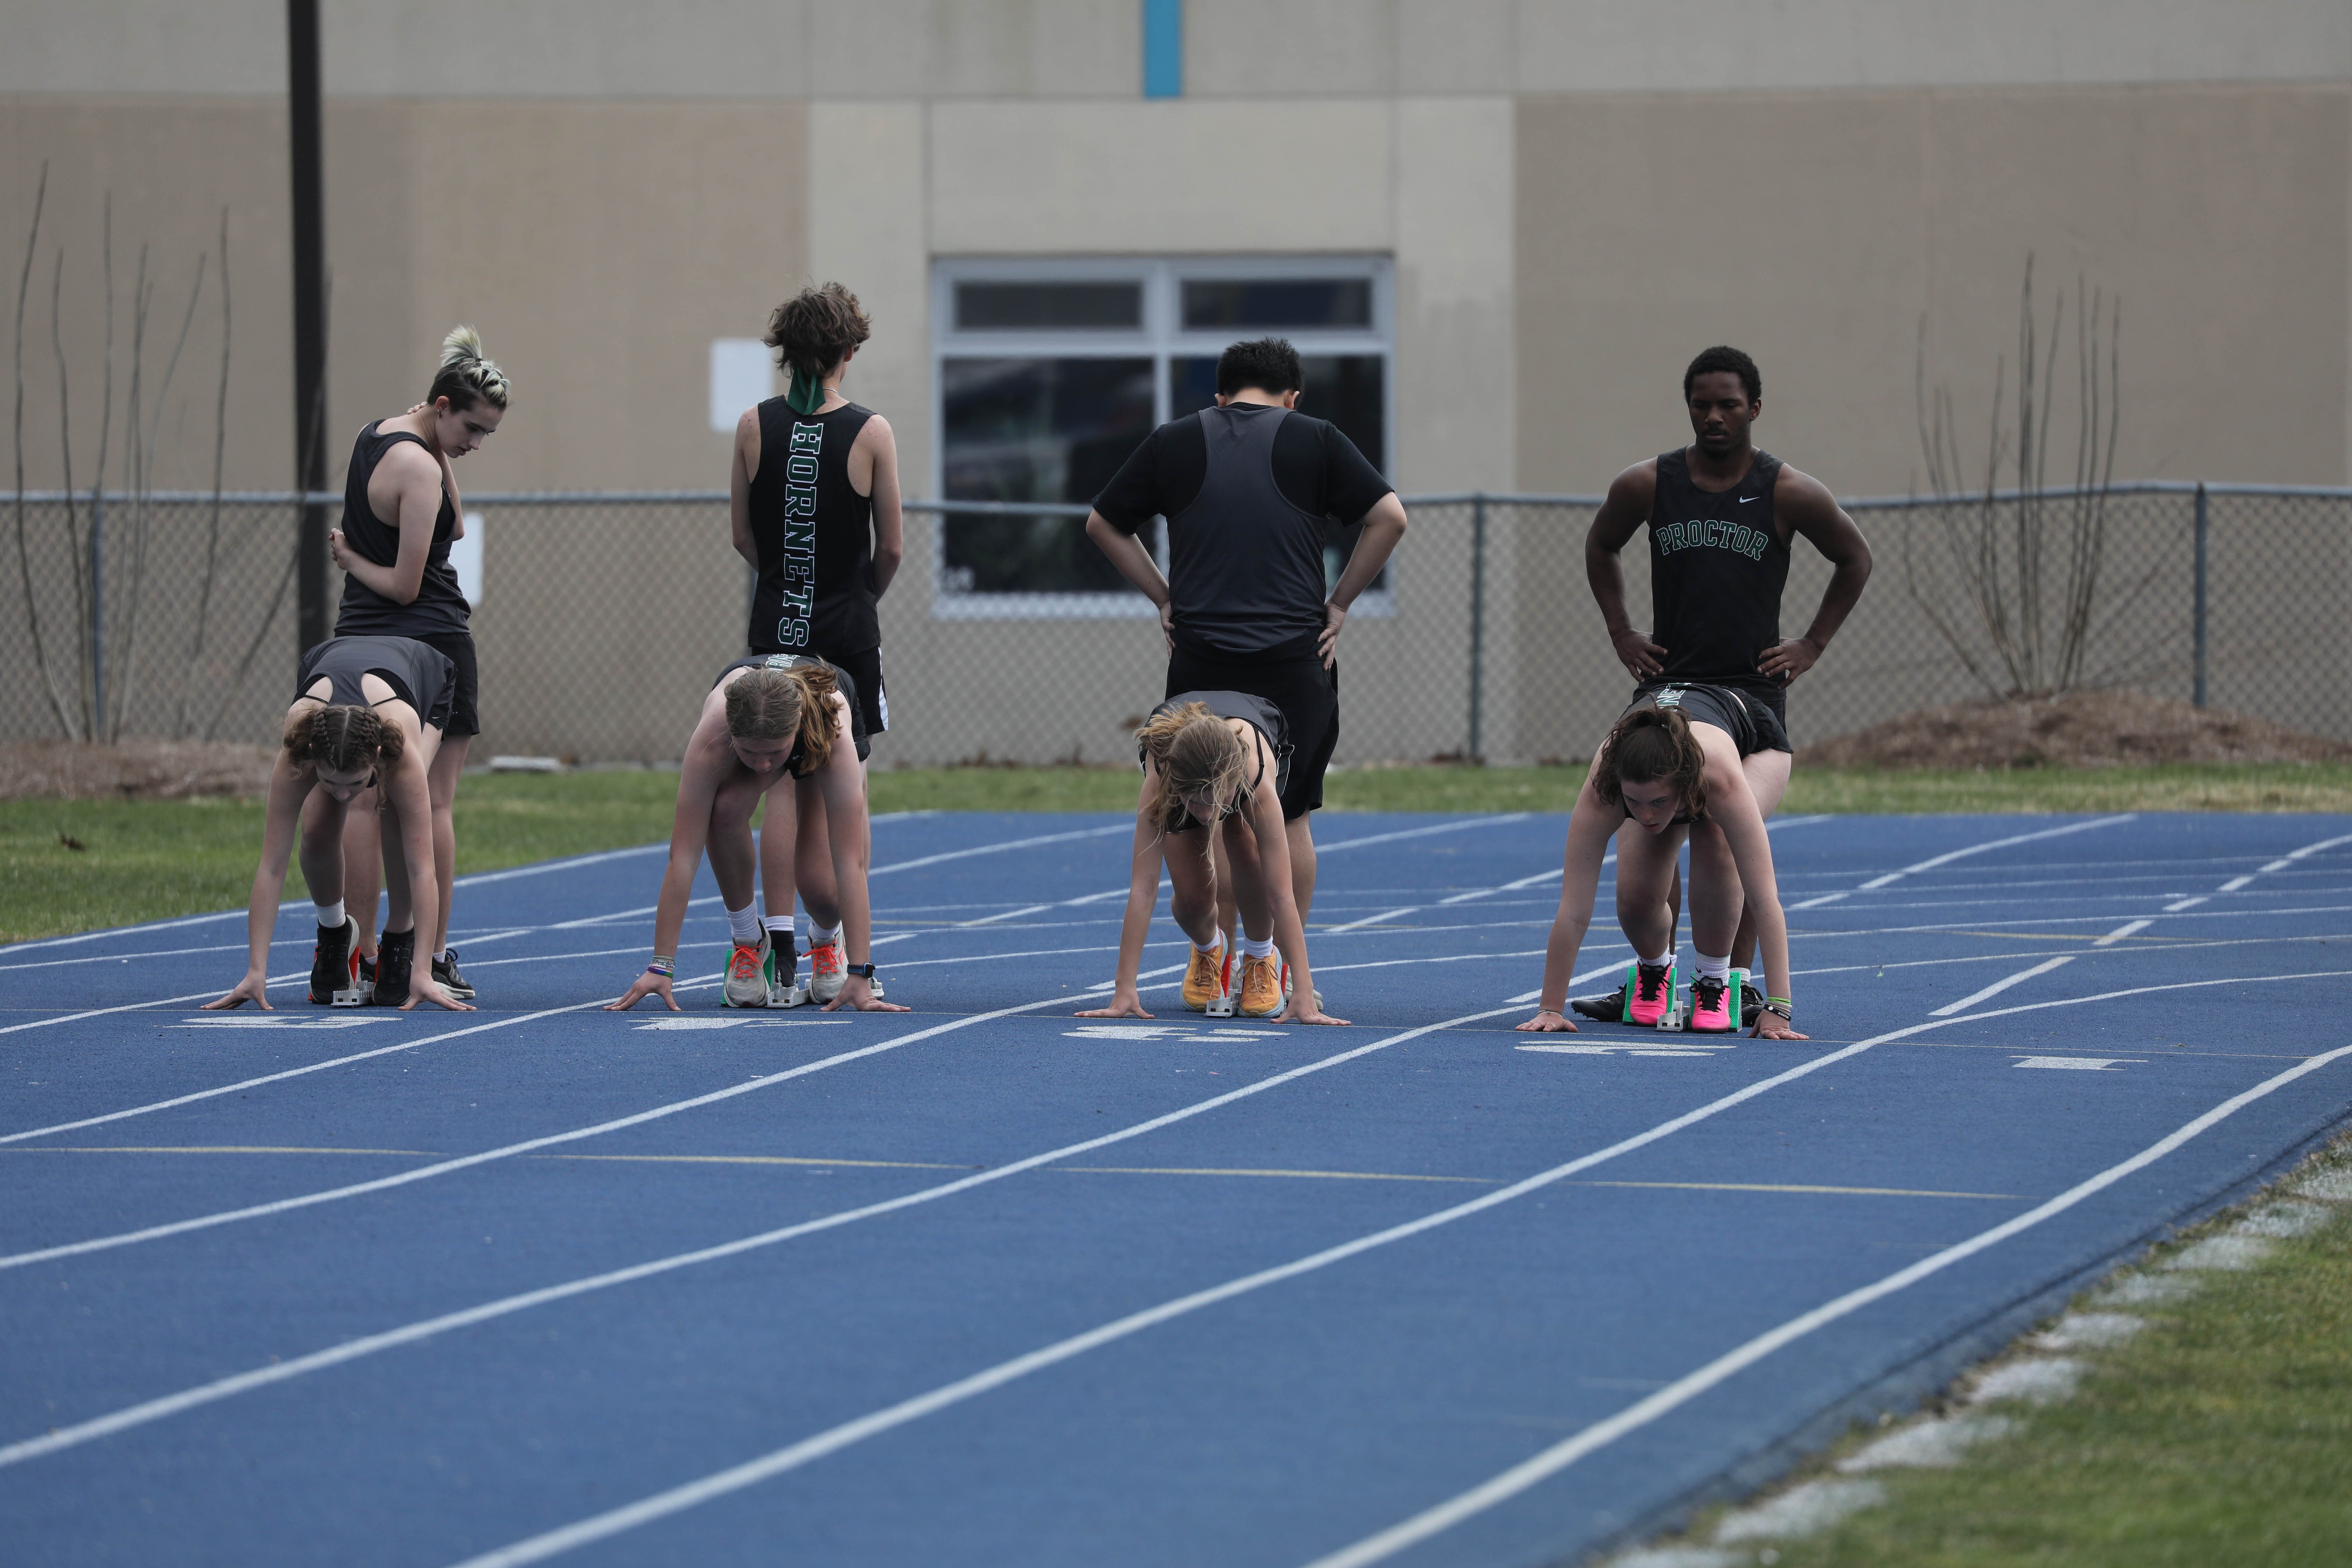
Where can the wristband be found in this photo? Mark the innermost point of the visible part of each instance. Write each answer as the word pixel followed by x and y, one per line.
pixel 663 965
pixel 1781 1005
pixel 862 970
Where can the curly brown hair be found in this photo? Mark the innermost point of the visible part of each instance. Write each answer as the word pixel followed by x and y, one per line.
pixel 786 699
pixel 1651 744
pixel 813 330
pixel 345 736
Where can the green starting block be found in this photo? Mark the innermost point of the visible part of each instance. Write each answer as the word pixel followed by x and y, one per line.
pixel 1677 1018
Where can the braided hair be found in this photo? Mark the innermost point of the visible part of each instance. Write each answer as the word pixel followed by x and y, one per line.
pixel 465 377
pixel 344 737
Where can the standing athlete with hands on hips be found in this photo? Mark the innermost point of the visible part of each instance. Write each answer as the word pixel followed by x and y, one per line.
pixel 1722 516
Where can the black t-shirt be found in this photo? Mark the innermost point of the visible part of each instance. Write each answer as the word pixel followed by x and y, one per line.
pixel 1316 466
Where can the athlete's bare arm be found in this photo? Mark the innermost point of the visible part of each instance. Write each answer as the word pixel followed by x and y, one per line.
pixel 1133 559
pixel 874 471
pixel 842 780
pixel 290 786
pixel 1267 826
pixel 1591 826
pixel 1382 527
pixel 1631 496
pixel 406 486
pixel 746 463
pixel 1142 895
pixel 709 759
pixel 1812 512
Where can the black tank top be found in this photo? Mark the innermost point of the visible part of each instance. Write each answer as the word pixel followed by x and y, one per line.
pixel 1245 563
pixel 814 535
pixel 1716 568
pixel 421 677
pixel 439 606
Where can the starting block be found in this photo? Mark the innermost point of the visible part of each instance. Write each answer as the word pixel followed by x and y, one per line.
pixel 1221 1006
pixel 1675 1019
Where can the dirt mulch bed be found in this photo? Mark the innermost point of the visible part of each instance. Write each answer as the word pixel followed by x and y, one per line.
pixel 2080 730
pixel 135 770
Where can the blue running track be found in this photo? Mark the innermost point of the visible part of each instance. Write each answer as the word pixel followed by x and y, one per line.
pixel 985 1284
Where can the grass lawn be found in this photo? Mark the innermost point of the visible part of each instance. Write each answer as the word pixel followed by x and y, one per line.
pixel 141 860
pixel 2220 1435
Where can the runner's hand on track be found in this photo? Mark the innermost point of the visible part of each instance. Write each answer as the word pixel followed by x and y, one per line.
pixel 1124 1005
pixel 856 996
pixel 430 991
pixel 1642 657
pixel 646 985
pixel 1303 1010
pixel 249 989
pixel 1789 659
pixel 1770 1026
pixel 1548 1023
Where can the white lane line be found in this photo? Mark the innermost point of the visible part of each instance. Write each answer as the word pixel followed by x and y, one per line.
pixel 1462 826
pixel 809 1449
pixel 1381 918
pixel 2180 904
pixel 1947 858
pixel 294 1072
pixel 1777 824
pixel 410 1333
pixel 1817 902
pixel 999 849
pixel 1683 1390
pixel 2130 928
pixel 483 879
pixel 1997 987
pixel 1551 875
pixel 2283 863
pixel 2233 884
pixel 507 1152
pixel 991 919
pixel 212 994
pixel 735 1478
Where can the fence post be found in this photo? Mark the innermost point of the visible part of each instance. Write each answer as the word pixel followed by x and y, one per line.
pixel 2199 697
pixel 1477 617
pixel 97 613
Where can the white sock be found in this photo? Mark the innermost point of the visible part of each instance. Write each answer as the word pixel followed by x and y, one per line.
pixel 745 923
pixel 1659 962
pixel 1257 948
pixel 1209 952
pixel 330 915
pixel 780 929
pixel 1712 968
pixel 447 955
pixel 819 935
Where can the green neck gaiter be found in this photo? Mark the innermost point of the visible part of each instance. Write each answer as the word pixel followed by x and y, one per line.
pixel 806 394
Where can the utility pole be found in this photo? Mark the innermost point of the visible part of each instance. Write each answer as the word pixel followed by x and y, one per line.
pixel 310 316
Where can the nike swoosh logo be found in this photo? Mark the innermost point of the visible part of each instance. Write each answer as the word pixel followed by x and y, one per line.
pixel 1745 499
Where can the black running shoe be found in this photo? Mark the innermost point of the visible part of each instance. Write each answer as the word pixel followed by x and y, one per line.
pixel 333 966
pixel 1751 1001
pixel 446 975
pixel 392 957
pixel 1609 1009
pixel 366 970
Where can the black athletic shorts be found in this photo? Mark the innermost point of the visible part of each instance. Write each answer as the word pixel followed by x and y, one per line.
pixel 1307 694
pixel 465 695
pixel 1753 721
pixel 864 670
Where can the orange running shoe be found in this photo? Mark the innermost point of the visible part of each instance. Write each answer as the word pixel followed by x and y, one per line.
pixel 751 974
pixel 1205 978
pixel 1261 988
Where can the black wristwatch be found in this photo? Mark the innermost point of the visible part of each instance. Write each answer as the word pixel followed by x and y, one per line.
pixel 862 970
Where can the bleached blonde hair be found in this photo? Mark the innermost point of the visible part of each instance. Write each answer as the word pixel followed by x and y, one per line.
pixel 465 377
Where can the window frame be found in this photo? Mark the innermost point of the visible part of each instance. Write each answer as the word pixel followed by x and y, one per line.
pixel 1163 338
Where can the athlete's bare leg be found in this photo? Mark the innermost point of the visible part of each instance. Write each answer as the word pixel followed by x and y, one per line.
pixel 1646 873
pixel 363 858
pixel 807 869
pixel 1193 884
pixel 1301 838
pixel 1768 780
pixel 441 784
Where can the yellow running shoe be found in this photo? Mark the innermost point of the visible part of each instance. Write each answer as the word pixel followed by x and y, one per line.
pixel 1205 978
pixel 1261 987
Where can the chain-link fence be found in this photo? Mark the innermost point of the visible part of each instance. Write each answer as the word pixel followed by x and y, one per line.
pixel 602 617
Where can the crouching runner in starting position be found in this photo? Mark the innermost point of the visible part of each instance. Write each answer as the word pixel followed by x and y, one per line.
pixel 1215 763
pixel 769 718
pixel 367 717
pixel 1673 764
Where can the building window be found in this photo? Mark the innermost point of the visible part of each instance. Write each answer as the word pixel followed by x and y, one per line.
pixel 1049 374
